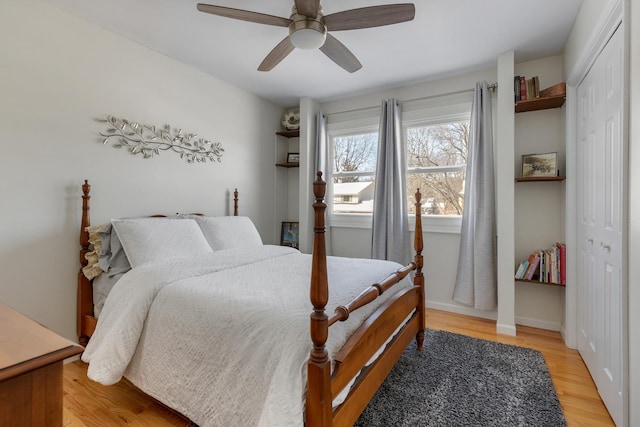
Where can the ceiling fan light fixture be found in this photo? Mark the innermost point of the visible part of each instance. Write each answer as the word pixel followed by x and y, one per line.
pixel 308 38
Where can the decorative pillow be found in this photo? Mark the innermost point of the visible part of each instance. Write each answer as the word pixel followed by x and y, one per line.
pixel 224 232
pixel 112 260
pixel 92 269
pixel 147 240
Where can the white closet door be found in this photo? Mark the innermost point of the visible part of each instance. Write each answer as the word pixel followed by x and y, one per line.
pixel 601 167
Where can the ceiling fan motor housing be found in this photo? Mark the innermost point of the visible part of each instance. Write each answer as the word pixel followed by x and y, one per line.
pixel 306 32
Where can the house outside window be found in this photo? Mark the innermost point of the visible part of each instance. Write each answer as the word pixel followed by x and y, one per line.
pixel 353 158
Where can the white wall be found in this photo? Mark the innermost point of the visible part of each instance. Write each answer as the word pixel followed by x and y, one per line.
pixel 592 14
pixel 57 74
pixel 505 190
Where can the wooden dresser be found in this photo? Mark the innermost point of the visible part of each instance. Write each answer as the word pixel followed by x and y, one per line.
pixel 31 371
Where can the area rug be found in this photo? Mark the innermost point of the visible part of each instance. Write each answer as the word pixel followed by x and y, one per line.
pixel 461 381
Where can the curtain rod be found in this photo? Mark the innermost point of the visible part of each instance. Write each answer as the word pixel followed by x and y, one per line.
pixel 492 86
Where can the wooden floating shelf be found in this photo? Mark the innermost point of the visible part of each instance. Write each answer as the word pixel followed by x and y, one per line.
pixel 288 165
pixel 540 178
pixel 289 133
pixel 540 103
pixel 552 97
pixel 537 282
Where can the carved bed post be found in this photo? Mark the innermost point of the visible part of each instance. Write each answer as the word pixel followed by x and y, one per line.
pixel 319 400
pixel 418 279
pixel 85 296
pixel 235 202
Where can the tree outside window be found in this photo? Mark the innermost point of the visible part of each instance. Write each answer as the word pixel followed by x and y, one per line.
pixel 436 158
pixel 436 163
pixel 354 162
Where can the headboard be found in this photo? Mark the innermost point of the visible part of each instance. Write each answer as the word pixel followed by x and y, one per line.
pixel 86 321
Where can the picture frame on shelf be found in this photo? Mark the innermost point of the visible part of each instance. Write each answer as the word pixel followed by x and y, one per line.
pixel 293 157
pixel 539 165
pixel 289 234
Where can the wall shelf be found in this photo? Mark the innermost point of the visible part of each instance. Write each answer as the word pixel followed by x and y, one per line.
pixel 540 178
pixel 288 165
pixel 289 133
pixel 537 282
pixel 540 103
pixel 552 97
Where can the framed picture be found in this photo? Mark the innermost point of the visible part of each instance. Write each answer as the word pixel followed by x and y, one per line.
pixel 289 234
pixel 544 164
pixel 293 158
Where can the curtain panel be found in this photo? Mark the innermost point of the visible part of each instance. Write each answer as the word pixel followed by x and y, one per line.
pixel 390 216
pixel 476 283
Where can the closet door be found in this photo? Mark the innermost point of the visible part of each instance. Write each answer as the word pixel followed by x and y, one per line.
pixel 601 169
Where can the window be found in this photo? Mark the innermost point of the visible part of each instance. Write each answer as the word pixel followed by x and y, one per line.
pixel 436 141
pixel 354 161
pixel 436 163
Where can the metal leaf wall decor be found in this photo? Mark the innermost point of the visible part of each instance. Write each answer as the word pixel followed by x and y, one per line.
pixel 149 141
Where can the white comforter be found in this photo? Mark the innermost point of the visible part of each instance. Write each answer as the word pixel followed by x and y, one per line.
pixel 224 338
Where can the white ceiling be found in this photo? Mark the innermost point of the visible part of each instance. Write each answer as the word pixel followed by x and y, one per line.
pixel 447 37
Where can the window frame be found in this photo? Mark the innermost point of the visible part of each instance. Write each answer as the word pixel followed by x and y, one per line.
pixel 340 129
pixel 417 116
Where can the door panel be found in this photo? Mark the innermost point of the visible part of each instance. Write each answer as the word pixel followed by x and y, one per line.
pixel 601 169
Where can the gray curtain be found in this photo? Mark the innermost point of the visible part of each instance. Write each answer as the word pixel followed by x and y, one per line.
pixel 321 146
pixel 321 165
pixel 476 283
pixel 390 217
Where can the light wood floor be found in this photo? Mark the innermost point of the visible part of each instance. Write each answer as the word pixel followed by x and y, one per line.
pixel 89 404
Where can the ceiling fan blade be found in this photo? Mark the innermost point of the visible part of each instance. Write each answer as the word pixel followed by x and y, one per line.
pixel 372 16
pixel 244 15
pixel 308 8
pixel 284 48
pixel 339 54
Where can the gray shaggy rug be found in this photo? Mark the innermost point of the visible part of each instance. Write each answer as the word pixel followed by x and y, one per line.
pixel 461 381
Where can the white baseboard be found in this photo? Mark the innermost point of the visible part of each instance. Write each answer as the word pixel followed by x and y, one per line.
pixel 492 315
pixel 506 329
pixel 468 311
pixel 538 323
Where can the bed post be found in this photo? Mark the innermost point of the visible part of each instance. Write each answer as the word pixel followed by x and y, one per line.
pixel 235 202
pixel 418 279
pixel 85 296
pixel 319 400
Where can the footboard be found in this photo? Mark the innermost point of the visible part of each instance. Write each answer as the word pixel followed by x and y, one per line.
pixel 392 327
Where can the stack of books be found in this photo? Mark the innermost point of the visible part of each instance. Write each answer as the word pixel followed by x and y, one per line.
pixel 526 88
pixel 545 265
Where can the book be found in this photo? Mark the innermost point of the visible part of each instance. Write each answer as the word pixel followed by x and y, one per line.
pixel 534 266
pixel 530 260
pixel 563 261
pixel 521 269
pixel 523 87
pixel 516 88
pixel 543 266
pixel 553 254
pixel 536 87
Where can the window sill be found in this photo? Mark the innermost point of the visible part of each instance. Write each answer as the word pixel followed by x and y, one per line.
pixel 430 224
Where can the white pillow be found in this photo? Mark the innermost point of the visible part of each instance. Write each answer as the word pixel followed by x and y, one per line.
pixel 147 240
pixel 225 232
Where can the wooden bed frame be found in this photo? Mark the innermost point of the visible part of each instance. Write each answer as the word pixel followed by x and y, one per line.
pixel 324 383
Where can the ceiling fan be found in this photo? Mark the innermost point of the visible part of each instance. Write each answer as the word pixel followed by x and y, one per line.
pixel 308 28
